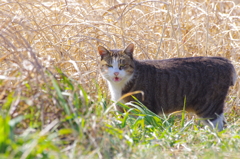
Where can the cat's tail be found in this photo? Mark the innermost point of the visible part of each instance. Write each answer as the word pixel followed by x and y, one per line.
pixel 234 76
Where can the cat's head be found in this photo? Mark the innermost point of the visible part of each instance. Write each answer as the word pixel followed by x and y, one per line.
pixel 117 65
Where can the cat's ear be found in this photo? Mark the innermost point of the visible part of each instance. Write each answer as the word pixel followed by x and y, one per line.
pixel 129 50
pixel 102 51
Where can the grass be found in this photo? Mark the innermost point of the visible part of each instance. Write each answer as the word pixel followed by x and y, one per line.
pixel 54 104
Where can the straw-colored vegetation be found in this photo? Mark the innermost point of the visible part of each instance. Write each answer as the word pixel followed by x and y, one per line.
pixel 54 104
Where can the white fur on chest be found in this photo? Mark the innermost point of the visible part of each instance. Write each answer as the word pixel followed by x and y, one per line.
pixel 116 90
pixel 117 87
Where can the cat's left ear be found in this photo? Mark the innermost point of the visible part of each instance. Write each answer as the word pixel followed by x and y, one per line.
pixel 129 50
pixel 102 51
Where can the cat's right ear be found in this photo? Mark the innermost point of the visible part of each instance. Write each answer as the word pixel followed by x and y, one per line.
pixel 129 50
pixel 102 51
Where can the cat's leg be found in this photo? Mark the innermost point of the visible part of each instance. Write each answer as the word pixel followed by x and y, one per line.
pixel 216 123
pixel 211 113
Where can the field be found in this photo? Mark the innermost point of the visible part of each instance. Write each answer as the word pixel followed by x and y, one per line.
pixel 54 103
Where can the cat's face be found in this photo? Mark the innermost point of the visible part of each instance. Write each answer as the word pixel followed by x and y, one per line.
pixel 116 65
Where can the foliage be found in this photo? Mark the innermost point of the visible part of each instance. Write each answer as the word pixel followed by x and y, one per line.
pixel 54 104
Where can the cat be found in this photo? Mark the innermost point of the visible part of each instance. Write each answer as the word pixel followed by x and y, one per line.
pixel 203 83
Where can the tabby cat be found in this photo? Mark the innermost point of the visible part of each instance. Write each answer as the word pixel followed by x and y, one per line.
pixel 203 82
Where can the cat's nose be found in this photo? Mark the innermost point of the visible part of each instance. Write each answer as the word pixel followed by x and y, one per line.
pixel 116 73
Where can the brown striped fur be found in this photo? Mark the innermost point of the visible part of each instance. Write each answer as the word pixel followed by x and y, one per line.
pixel 202 81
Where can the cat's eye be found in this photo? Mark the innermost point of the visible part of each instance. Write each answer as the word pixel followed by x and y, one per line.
pixel 109 65
pixel 121 66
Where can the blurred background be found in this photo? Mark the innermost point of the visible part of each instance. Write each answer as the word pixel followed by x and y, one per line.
pixel 36 37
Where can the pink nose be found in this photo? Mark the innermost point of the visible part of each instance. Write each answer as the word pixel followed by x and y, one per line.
pixel 116 73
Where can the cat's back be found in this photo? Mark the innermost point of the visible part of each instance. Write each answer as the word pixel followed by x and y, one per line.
pixel 189 61
pixel 204 67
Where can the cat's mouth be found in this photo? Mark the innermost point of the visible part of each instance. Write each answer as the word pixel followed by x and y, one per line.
pixel 116 79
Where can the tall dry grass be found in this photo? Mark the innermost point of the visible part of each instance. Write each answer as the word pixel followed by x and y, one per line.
pixel 38 36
